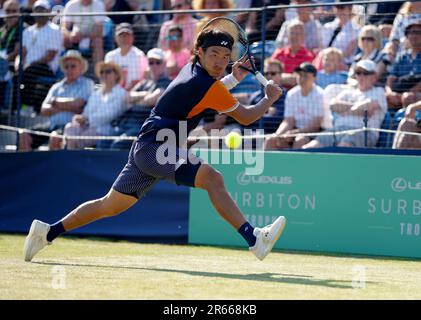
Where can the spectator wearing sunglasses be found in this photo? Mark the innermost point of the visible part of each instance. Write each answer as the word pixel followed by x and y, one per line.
pixel 64 99
pixel 176 56
pixel 104 106
pixel 185 20
pixel 370 44
pixel 148 91
pixel 398 41
pixel 273 70
pixel 351 107
pixel 404 83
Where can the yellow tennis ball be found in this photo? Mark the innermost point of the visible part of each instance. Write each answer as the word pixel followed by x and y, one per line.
pixel 233 140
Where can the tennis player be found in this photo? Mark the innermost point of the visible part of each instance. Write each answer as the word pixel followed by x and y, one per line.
pixel 194 90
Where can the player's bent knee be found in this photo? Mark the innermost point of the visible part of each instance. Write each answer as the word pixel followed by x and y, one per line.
pixel 208 178
pixel 216 179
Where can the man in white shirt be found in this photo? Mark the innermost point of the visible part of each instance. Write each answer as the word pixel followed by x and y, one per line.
pixel 352 106
pixel 41 45
pixel 83 32
pixel 133 61
pixel 303 111
pixel 342 33
pixel 41 41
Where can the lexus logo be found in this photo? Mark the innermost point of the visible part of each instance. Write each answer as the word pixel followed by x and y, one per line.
pixel 244 179
pixel 399 184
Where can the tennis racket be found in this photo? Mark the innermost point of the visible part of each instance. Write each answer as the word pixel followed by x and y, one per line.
pixel 240 48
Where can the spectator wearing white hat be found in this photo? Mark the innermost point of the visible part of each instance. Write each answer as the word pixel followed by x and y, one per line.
pixel 64 99
pixel 148 91
pixel 350 108
pixel 133 61
pixel 143 97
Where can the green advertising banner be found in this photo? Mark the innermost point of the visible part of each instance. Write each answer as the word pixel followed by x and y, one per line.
pixel 345 203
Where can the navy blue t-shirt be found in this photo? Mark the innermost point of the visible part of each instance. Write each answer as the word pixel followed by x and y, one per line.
pixel 187 97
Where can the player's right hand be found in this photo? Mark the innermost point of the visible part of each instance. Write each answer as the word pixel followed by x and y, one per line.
pixel 273 91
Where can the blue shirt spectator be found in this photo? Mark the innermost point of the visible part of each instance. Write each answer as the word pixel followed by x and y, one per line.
pixel 405 64
pixel 64 99
pixel 324 79
pixel 331 72
pixel 404 83
pixel 80 88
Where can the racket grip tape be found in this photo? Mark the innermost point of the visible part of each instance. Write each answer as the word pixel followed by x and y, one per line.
pixel 263 81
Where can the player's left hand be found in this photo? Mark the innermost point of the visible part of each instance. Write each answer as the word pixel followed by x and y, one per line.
pixel 239 73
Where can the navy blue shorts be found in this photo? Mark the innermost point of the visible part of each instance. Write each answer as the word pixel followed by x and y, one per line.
pixel 150 162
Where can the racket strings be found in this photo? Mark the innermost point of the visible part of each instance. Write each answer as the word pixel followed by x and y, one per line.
pixel 240 47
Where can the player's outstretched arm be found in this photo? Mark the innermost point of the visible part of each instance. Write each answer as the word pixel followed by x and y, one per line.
pixel 246 115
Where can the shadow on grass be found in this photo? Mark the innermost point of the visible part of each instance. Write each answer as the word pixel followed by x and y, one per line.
pixel 266 277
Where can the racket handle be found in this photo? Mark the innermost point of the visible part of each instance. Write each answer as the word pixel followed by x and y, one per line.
pixel 263 81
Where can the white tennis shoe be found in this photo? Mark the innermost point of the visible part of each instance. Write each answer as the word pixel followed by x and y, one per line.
pixel 266 237
pixel 36 239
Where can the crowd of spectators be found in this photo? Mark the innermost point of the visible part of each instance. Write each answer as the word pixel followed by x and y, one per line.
pixel 342 67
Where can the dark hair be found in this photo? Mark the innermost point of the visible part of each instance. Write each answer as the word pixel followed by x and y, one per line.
pixel 203 37
pixel 177 28
pixel 410 26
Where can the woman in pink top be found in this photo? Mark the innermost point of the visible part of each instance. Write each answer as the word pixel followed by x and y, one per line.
pixel 176 55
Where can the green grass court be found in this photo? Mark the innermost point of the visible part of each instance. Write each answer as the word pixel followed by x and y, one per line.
pixel 75 268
